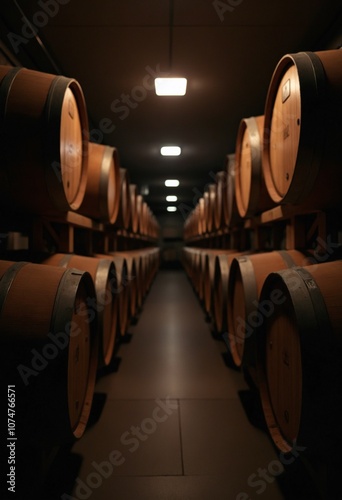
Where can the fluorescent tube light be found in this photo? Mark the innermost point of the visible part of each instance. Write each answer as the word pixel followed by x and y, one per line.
pixel 170 151
pixel 172 183
pixel 171 198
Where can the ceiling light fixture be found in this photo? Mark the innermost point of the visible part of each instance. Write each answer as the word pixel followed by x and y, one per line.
pixel 171 198
pixel 171 209
pixel 172 183
pixel 170 151
pixel 172 85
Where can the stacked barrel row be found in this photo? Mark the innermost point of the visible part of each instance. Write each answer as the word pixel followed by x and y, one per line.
pixel 280 309
pixel 289 155
pixel 47 164
pixel 63 315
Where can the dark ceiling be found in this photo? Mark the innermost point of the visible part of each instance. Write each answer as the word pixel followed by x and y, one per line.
pixel 226 49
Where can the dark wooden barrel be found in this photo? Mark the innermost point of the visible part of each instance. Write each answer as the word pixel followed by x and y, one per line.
pixel 48 348
pixel 43 142
pixel 221 198
pixel 124 214
pixel 101 271
pixel 120 289
pixel 133 189
pixel 232 215
pixel 299 350
pixel 189 262
pixel 102 194
pixel 202 223
pixel 220 288
pixel 301 157
pixel 246 277
pixel 211 207
pixel 250 189
pixel 208 277
pixel 132 280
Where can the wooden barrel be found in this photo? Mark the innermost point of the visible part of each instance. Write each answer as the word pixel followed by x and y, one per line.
pixel 144 219
pixel 131 279
pixel 299 358
pixel 211 207
pixel 232 215
pixel 220 288
pixel 139 278
pixel 149 256
pixel 189 256
pixel 102 194
pixel 221 198
pixel 133 189
pixel 202 222
pixel 301 157
pixel 192 257
pixel 43 142
pixel 122 292
pixel 208 277
pixel 101 271
pixel 124 214
pixel 140 202
pixel 250 189
pixel 201 270
pixel 246 277
pixel 48 348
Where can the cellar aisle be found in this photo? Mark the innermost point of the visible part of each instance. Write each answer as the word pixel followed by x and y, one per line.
pixel 172 425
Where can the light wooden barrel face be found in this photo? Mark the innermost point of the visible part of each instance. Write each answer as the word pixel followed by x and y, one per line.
pixel 46 115
pixel 299 348
pixel 79 360
pixel 301 156
pixel 71 147
pixel 285 132
pixel 284 373
pixel 244 174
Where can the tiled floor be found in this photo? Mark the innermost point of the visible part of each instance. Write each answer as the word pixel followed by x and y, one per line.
pixel 172 425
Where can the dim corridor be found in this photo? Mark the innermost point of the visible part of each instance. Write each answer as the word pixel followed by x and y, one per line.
pixel 172 424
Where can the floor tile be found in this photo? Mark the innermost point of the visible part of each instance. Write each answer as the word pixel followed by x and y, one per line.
pixel 217 439
pixel 142 437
